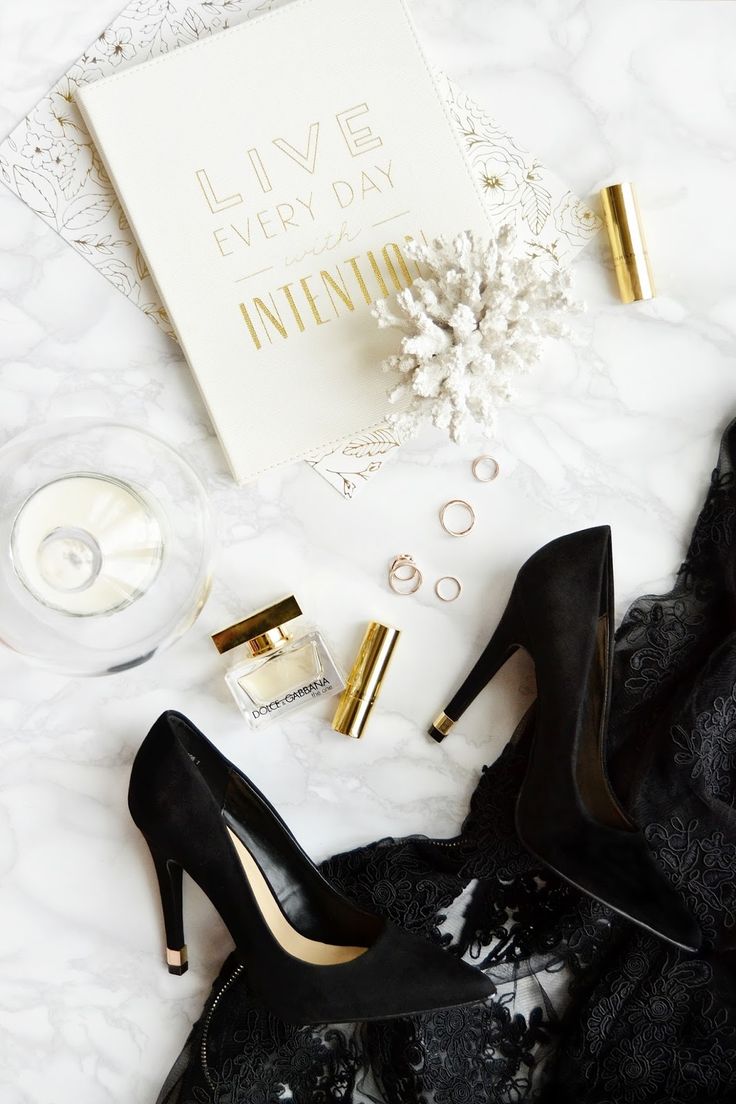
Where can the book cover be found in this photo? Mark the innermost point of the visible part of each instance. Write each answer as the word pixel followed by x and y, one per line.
pixel 272 175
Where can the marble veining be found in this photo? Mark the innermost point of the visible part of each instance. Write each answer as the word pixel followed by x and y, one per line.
pixel 621 426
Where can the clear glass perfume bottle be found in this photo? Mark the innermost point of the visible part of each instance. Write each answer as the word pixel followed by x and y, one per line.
pixel 272 671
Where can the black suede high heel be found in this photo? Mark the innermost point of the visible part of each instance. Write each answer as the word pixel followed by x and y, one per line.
pixel 561 611
pixel 311 955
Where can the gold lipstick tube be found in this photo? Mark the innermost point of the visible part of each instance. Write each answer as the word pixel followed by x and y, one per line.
pixel 365 679
pixel 628 244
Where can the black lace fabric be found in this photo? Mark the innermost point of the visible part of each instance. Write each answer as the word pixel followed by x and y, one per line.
pixel 590 1009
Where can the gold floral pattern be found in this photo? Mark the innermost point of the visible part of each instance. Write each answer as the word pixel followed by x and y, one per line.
pixel 517 187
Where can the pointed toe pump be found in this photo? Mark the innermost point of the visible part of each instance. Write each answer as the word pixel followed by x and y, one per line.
pixel 311 955
pixel 561 612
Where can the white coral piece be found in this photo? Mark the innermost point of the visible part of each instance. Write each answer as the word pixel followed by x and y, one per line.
pixel 477 317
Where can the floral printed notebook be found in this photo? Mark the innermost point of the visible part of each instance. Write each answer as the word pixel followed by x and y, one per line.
pixel 50 162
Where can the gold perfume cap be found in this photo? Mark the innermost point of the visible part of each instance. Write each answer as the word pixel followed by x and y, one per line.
pixel 262 631
pixel 365 679
pixel 628 244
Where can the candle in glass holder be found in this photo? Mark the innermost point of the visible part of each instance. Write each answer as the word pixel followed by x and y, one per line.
pixel 86 544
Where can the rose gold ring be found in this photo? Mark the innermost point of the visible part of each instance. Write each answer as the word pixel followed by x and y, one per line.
pixel 455 502
pixel 456 588
pixel 404 577
pixel 486 468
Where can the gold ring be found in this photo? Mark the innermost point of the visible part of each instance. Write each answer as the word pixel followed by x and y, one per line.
pixel 471 515
pixel 404 563
pixel 448 597
pixel 480 462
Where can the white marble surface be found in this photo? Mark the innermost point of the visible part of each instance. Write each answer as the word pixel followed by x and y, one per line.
pixel 622 428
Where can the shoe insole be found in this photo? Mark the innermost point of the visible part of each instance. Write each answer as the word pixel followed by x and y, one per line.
pixel 292 941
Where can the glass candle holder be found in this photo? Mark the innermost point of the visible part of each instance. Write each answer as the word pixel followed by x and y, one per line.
pixel 105 546
pixel 87 544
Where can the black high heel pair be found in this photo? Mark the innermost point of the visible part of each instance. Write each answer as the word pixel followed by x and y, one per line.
pixel 561 612
pixel 312 955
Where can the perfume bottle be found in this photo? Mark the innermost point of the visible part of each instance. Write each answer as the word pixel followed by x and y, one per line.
pixel 272 671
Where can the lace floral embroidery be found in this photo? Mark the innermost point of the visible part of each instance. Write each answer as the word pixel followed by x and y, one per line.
pixel 701 865
pixel 708 749
pixel 658 635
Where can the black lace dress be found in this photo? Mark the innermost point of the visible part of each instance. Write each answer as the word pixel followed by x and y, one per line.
pixel 589 1008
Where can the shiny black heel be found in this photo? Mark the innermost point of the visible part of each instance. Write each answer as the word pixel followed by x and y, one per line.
pixel 311 955
pixel 561 612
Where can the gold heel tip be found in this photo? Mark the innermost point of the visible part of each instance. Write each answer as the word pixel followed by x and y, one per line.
pixel 440 727
pixel 177 961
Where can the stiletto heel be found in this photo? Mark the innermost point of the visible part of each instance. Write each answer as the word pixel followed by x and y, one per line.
pixel 508 637
pixel 311 955
pixel 169 875
pixel 567 815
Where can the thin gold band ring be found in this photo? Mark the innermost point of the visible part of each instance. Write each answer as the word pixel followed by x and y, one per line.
pixel 404 571
pixel 486 468
pixel 452 597
pixel 465 506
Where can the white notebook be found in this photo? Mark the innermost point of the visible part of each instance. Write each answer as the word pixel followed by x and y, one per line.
pixel 272 174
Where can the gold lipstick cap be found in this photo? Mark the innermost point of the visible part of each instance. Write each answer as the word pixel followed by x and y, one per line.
pixel 365 679
pixel 628 244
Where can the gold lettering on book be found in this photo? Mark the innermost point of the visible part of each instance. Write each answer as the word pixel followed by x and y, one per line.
pixel 357 139
pixel 272 167
pixel 377 273
pixel 347 192
pixel 367 276
pixel 260 170
pixel 286 288
pixel 333 285
pixel 353 262
pixel 225 252
pixel 264 315
pixel 307 160
pixel 216 204
pixel 271 222
pixel 399 258
pixel 249 324
pixel 262 166
pixel 312 301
